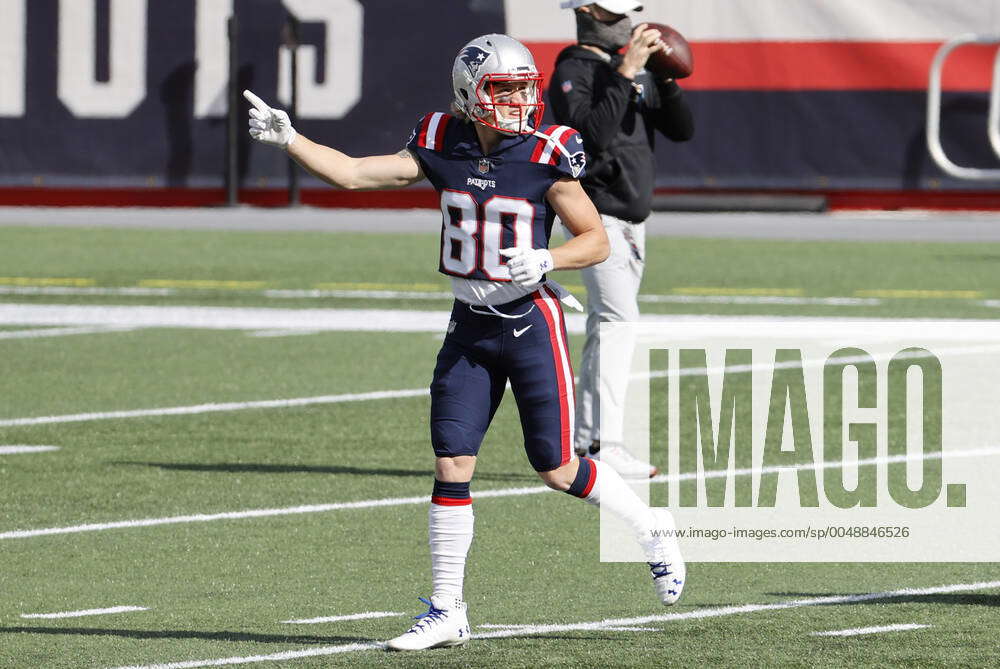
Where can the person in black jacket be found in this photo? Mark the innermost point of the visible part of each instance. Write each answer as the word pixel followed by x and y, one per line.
pixel 617 106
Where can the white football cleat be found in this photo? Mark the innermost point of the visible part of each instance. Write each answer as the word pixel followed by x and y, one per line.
pixel 665 561
pixel 623 462
pixel 445 624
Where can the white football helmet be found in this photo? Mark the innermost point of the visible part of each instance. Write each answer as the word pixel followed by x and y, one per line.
pixel 481 67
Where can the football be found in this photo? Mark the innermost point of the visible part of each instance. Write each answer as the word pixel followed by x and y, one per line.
pixel 675 60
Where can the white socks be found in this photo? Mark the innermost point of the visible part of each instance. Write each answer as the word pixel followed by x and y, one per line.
pixel 451 523
pixel 450 538
pixel 611 491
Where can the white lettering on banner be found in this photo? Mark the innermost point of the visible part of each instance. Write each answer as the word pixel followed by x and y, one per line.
pixel 341 89
pixel 12 58
pixel 78 88
pixel 211 53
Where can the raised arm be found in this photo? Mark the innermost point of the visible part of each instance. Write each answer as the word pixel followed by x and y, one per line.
pixel 272 126
pixel 368 173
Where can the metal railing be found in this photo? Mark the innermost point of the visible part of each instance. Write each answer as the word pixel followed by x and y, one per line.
pixel 934 110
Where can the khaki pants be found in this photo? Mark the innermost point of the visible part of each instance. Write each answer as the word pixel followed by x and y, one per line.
pixel 612 292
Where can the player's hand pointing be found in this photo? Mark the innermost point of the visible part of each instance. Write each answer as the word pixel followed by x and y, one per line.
pixel 267 125
pixel 527 265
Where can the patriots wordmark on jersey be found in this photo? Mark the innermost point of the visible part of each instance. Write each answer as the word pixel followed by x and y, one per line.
pixel 496 201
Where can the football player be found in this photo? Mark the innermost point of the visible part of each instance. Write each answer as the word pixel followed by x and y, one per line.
pixel 502 180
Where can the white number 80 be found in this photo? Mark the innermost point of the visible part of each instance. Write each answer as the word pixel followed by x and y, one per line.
pixel 473 234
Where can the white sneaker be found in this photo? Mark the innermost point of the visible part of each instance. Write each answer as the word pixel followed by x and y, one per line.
pixel 665 561
pixel 445 624
pixel 624 463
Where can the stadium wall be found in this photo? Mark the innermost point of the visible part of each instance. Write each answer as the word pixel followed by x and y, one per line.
pixel 123 101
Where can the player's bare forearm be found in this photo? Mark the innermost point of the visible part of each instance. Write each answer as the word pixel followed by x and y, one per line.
pixel 586 249
pixel 589 245
pixel 368 173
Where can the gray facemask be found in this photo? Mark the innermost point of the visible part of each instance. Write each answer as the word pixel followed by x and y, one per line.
pixel 607 36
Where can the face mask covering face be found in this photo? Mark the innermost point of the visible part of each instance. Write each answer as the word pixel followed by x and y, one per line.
pixel 607 36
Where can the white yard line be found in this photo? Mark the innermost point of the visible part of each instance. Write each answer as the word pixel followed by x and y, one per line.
pixel 282 333
pixel 258 513
pixel 298 294
pixel 418 392
pixel 226 318
pixel 87 612
pixel 59 332
pixel 362 294
pixel 488 626
pixel 600 625
pixel 326 319
pixel 217 407
pixel 424 295
pixel 275 657
pixel 872 630
pixel 350 616
pixel 409 501
pixel 650 299
pixel 761 299
pixel 76 290
pixel 21 448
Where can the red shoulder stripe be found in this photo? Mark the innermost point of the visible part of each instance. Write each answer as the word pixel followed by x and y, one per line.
pixel 552 149
pixel 439 135
pixel 422 137
pixel 542 141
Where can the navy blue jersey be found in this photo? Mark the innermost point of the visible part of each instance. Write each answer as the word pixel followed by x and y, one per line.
pixel 495 201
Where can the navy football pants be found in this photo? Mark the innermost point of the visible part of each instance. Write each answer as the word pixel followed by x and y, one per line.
pixel 481 352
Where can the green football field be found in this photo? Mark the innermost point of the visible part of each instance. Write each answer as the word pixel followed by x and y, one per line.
pixel 248 492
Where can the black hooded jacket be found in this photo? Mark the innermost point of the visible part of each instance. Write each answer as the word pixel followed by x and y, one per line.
pixel 617 118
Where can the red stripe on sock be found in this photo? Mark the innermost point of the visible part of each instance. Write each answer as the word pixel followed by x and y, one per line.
pixel 450 501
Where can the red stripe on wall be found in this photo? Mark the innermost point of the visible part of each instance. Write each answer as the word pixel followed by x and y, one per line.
pixel 425 198
pixel 783 66
pixel 407 198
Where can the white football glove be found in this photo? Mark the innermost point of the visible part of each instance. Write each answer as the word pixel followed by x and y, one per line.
pixel 527 265
pixel 267 125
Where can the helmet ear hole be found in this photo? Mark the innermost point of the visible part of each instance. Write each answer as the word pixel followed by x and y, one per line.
pixel 464 93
